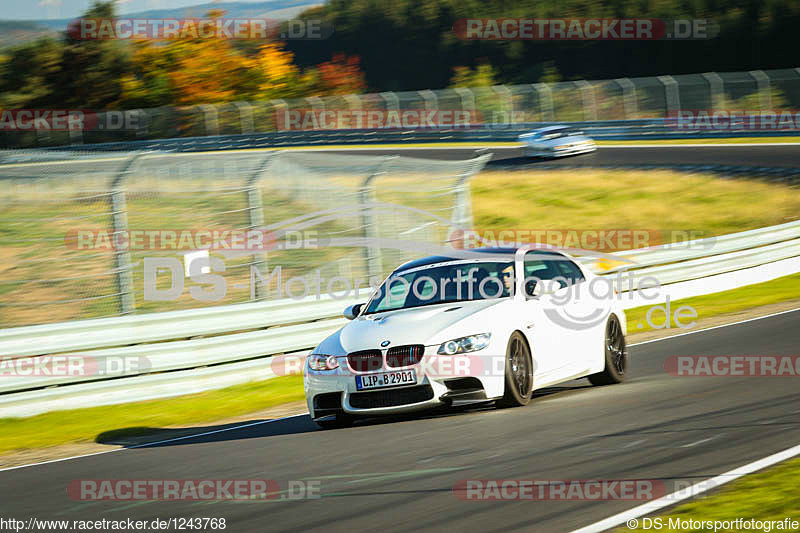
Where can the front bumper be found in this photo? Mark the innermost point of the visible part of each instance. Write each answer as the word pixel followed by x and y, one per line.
pixel 335 391
pixel 563 152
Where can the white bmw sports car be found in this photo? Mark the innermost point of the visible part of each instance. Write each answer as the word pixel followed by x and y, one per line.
pixel 556 141
pixel 491 324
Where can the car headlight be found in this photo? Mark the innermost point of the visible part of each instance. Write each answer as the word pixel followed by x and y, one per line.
pixel 472 343
pixel 322 362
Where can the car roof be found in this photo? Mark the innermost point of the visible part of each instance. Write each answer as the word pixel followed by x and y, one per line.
pixel 553 128
pixel 433 259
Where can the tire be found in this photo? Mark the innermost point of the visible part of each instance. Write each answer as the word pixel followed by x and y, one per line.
pixel 616 355
pixel 518 373
pixel 340 421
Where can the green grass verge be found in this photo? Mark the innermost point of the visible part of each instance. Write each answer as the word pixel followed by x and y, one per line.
pixel 141 418
pixel 770 292
pixel 767 495
pixel 663 202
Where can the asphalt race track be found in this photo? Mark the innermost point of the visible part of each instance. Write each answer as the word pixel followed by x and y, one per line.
pixel 398 475
pixel 764 155
pixel 244 162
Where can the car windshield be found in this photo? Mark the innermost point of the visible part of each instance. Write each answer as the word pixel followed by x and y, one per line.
pixel 564 132
pixel 443 283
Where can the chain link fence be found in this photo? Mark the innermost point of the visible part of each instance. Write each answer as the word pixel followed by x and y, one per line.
pixel 619 99
pixel 78 230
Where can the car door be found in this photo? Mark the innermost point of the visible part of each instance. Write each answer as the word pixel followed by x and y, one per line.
pixel 552 340
pixel 586 310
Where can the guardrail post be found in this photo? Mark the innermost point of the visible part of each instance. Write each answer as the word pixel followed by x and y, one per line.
pixel 369 220
pixel 715 87
pixel 545 96
pixel 589 101
pixel 210 118
pixel 255 211
pixel 628 97
pixel 671 97
pixel 245 116
pixel 119 224
pixel 762 86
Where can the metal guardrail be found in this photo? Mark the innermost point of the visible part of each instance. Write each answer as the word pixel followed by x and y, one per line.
pixel 234 340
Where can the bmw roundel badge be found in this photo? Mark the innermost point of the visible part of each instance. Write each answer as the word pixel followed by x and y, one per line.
pixel 384 344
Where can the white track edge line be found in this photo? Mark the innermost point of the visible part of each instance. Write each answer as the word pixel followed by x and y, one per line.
pixel 689 492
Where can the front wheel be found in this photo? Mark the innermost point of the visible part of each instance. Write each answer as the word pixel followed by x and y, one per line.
pixel 519 373
pixel 616 355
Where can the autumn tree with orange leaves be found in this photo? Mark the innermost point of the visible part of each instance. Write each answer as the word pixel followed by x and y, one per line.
pixel 195 71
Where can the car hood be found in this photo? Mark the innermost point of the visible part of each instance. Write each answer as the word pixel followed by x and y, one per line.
pixel 420 325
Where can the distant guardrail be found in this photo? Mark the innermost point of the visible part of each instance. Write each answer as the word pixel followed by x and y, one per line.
pixel 209 348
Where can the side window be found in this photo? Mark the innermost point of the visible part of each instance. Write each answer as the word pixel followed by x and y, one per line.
pixel 571 271
pixel 543 269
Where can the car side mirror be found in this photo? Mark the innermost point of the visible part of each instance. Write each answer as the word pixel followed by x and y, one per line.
pixel 352 311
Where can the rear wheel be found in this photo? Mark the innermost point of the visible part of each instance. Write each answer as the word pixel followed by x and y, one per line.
pixel 616 355
pixel 519 373
pixel 342 420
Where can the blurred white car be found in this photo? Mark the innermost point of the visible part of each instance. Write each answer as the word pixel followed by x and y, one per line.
pixel 556 141
pixel 432 335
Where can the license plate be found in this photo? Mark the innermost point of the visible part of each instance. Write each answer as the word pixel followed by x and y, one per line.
pixel 386 379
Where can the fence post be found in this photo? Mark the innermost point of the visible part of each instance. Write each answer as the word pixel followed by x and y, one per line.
pixel 278 105
pixel 589 102
pixel 210 118
pixel 245 116
pixel 353 101
pixel 467 98
pixel 366 199
pixel 762 85
pixel 391 97
pixel 545 97
pixel 671 97
pixel 75 136
pixel 628 97
pixel 119 226
pixel 255 215
pixel 507 106
pixel 431 101
pixel 462 210
pixel 715 87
